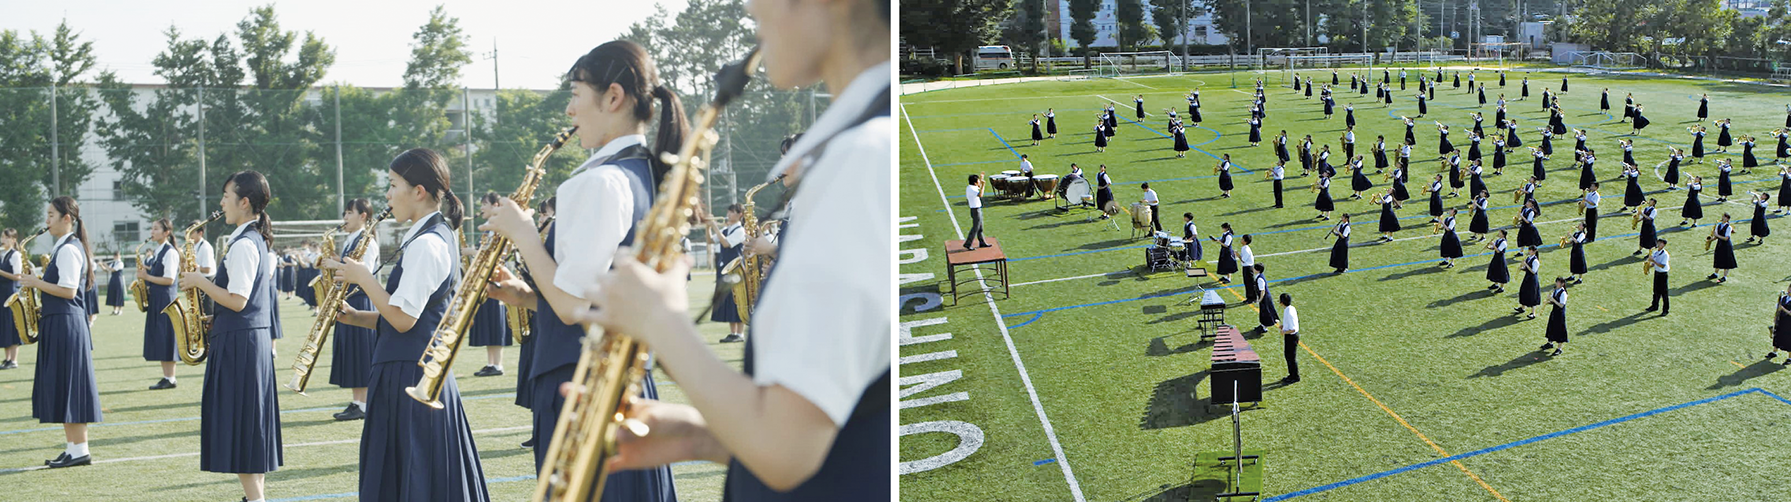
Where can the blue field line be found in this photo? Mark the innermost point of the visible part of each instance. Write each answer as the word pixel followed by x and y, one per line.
pixel 1010 148
pixel 1191 147
pixel 1522 442
pixel 1043 462
pixel 188 419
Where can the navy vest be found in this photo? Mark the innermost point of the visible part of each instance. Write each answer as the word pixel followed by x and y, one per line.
pixel 54 305
pixel 393 345
pixel 9 286
pixel 159 294
pixel 557 344
pixel 857 463
pixel 257 312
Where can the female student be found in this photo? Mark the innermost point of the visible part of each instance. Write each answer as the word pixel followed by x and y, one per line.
pixel 351 352
pixel 11 262
pixel 410 451
pixel 158 274
pixel 65 391
pixel 115 283
pixel 239 424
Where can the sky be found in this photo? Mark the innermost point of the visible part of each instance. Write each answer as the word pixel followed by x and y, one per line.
pixel 536 41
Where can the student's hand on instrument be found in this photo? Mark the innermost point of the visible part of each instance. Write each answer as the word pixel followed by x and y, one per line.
pixel 675 433
pixel 761 246
pixel 190 280
pixel 348 271
pixel 507 219
pixel 142 273
pixel 508 289
pixel 345 312
pixel 633 298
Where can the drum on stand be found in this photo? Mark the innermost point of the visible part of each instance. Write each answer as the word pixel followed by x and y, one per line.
pixel 1047 183
pixel 999 183
pixel 1016 183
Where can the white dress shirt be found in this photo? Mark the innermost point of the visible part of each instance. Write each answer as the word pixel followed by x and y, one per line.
pixel 974 194
pixel 1592 199
pixel 1026 167
pixel 71 262
pixel 370 258
pixel 15 262
pixel 1150 197
pixel 596 210
pixel 1246 258
pixel 823 325
pixel 1661 261
pixel 427 261
pixel 171 261
pixel 205 259
pixel 1290 320
pixel 733 235
pixel 243 263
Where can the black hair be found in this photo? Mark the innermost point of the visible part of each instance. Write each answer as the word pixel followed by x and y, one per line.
pixel 1287 299
pixel 973 179
pixel 627 64
pixel 68 207
pixel 1022 156
pixel 252 186
pixel 1188 216
pixel 166 225
pixel 549 204
pixel 789 141
pixel 361 206
pixel 1258 266
pixel 1660 241
pixel 1146 186
pixel 1246 239
pixel 9 233
pixel 736 208
pixel 424 168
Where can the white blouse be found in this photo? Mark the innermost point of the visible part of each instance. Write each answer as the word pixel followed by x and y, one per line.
pixel 243 263
pixel 427 261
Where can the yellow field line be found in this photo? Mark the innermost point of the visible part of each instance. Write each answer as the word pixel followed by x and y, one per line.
pixel 1396 417
pixel 1738 365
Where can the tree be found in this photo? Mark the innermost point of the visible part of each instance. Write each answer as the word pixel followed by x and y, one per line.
pixel 155 150
pixel 1027 30
pixel 437 53
pixel 1131 29
pixel 1170 18
pixel 1271 23
pixel 30 67
pixel 273 136
pixel 954 27
pixel 1082 13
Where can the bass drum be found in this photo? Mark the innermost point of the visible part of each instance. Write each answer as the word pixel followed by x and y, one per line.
pixel 1074 192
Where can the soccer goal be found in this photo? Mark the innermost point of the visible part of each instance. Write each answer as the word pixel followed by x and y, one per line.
pixel 1116 64
pixel 1283 60
pixel 1605 60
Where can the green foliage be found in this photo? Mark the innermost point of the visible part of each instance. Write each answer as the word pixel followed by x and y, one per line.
pixel 29 67
pixel 1082 13
pixel 1132 30
pixel 953 27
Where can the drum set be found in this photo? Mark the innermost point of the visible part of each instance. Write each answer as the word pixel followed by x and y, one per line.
pixel 1167 252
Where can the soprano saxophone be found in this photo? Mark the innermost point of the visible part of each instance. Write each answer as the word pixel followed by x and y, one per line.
pixel 522 318
pixel 328 304
pixel 444 346
pixel 25 302
pixel 747 272
pixel 613 364
pixel 191 326
pixel 322 285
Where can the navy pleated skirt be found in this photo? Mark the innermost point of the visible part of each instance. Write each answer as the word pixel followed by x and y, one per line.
pixel 9 335
pixel 115 290
pixel 158 334
pixel 411 452
pixel 239 424
pixel 491 325
pixel 305 291
pixel 64 391
pixel 92 298
pixel 351 355
pixel 647 485
pixel 726 310
pixel 525 364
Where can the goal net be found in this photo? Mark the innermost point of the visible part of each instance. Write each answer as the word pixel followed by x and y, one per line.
pixel 1605 60
pixel 1116 64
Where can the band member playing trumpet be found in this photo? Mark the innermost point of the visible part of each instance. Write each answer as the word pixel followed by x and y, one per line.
pixel 1529 292
pixel 1556 333
pixel 1646 218
pixel 158 273
pixel 65 391
pixel 1450 247
pixel 728 242
pixel 1578 239
pixel 1496 270
pixel 239 425
pixel 1389 220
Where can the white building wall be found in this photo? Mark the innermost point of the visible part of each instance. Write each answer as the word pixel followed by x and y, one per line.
pixel 1200 25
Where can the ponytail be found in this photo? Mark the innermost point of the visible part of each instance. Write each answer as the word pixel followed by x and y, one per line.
pixel 452 211
pixel 264 225
pixel 86 248
pixel 673 127
pixel 252 186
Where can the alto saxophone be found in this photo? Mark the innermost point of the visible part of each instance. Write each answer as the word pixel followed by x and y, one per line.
pixel 522 318
pixel 191 326
pixel 747 272
pixel 613 364
pixel 323 284
pixel 139 288
pixel 438 358
pixel 327 304
pixel 25 302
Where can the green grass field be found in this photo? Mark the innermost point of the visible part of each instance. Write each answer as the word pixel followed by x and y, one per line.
pixel 1089 383
pixel 147 449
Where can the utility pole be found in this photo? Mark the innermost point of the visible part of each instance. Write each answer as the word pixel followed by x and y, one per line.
pixel 466 128
pixel 201 152
pixel 1308 23
pixel 341 188
pixel 55 148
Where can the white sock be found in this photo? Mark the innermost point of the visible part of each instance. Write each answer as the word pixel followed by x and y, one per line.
pixel 169 379
pixel 77 450
pixel 358 404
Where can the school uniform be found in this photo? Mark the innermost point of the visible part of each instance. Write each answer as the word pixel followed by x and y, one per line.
pixel 1496 270
pixel 1758 227
pixel 1557 318
pixel 1225 183
pixel 1632 192
pixel 1265 310
pixel 351 351
pixel 1450 248
pixel 733 238
pixel 410 451
pixel 63 389
pixel 1672 177
pixel 1478 224
pixel 1725 248
pixel 1694 208
pixel 1358 181
pixel 1781 324
pixel 1647 236
pixel 1389 220
pixel 1703 108
pixel 1228 264
pixel 1698 145
pixel 239 424
pixel 598 209
pixel 1156 216
pixel 1527 235
pixel 1181 138
pixel 491 325
pixel 11 262
pixel 1592 199
pixel 1323 203
pixel 1191 239
pixel 1278 172
pixel 1399 192
pixel 1340 249
pixel 115 284
pixel 158 329
pixel 1051 123
pixel 1247 261
pixel 1038 135
pixel 1724 186
pixel 1529 292
pixel 1662 266
pixel 1436 199
pixel 1100 136
pixel 1103 191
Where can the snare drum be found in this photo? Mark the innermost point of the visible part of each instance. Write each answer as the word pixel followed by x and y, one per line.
pixel 1047 183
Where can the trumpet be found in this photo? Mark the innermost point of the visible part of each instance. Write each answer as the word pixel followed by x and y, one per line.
pixel 24 303
pixel 613 364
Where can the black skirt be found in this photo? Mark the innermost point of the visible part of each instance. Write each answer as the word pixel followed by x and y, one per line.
pixel 1227 264
pixel 351 352
pixel 1140 106
pixel 115 290
pixel 1444 146
pixel 1473 150
pixel 1694 209
pixel 1759 227
pixel 1451 246
pixel 1323 203
pixel 1455 180
pixel 1781 332
pixel 64 390
pixel 1641 122
pixel 1496 270
pixel 1399 191
pixel 1527 236
pixel 1698 146
pixel 1225 181
pixel 1724 187
pixel 1100 140
pixel 1436 204
pixel 1255 134
pixel 1646 237
pixel 1587 177
pixel 1036 134
pixel 1476 184
pixel 412 452
pixel 1725 255
pixel 1703 110
pixel 1538 170
pixel 1557 325
pixel 1266 314
pixel 1529 293
pixel 239 425
pixel 1389 220
pixel 1051 125
pixel 1478 223
pixel 1359 182
pixel 491 325
pixel 1723 139
pixel 1340 253
pixel 1632 194
pixel 1194 114
pixel 1181 142
pixel 1577 264
pixel 1380 159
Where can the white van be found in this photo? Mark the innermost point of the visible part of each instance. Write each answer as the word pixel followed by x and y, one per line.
pixel 994 57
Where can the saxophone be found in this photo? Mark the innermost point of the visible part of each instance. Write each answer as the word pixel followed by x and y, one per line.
pixel 747 271
pixel 24 303
pixel 330 301
pixel 191 326
pixel 613 364
pixel 522 319
pixel 324 283
pixel 139 288
pixel 438 357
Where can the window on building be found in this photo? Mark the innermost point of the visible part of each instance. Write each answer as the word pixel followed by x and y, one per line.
pixel 125 231
pixel 118 190
pixel 1200 32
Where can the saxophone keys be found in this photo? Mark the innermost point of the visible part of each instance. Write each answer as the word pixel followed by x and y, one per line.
pixel 669 158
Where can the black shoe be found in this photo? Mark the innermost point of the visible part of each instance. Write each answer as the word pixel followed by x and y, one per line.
pixel 488 371
pixel 529 444
pixel 1532 316
pixel 1721 280
pixel 1770 355
pixel 352 413
pixel 64 460
pixel 732 338
pixel 1547 346
pixel 8 364
pixel 163 384
pixel 1712 276
pixel 1290 380
pixel 1499 291
pixel 1555 353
